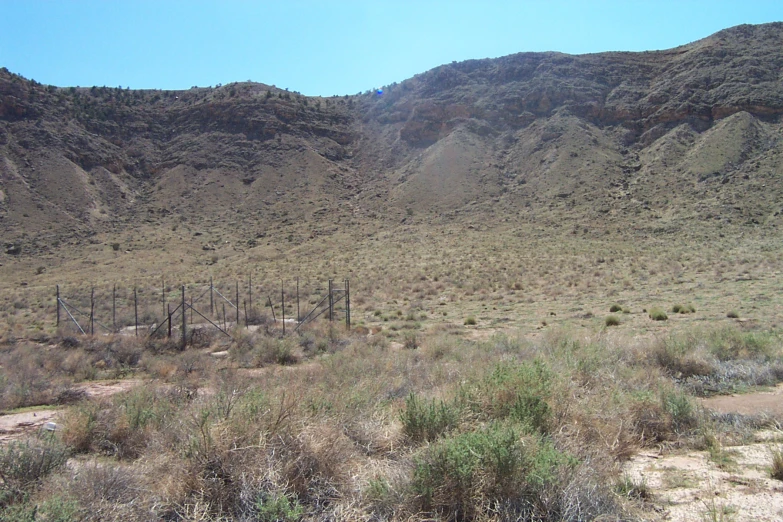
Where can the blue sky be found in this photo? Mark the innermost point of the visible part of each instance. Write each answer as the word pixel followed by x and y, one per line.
pixel 326 48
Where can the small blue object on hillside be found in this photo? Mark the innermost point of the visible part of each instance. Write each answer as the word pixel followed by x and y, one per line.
pixel 379 92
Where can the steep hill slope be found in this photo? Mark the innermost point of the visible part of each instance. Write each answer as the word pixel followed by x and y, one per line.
pixel 622 142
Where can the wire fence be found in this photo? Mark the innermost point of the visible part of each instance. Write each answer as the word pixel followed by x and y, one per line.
pixel 174 309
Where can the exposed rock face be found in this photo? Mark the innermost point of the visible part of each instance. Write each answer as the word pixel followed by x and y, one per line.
pixel 734 70
pixel 602 136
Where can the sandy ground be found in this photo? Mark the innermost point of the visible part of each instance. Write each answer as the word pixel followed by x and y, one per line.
pixel 761 403
pixel 15 426
pixel 689 486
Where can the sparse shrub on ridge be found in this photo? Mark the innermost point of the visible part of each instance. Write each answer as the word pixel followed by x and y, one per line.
pixel 612 320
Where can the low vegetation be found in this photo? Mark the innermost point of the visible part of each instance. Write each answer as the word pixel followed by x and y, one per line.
pixel 327 424
pixel 657 314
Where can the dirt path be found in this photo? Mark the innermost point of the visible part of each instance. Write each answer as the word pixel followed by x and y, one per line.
pixel 15 426
pixel 760 403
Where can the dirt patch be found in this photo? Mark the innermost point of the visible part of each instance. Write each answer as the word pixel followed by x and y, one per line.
pixel 758 403
pixel 691 487
pixel 16 426
pixel 97 389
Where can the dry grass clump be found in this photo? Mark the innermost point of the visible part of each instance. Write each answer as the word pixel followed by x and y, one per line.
pixel 776 468
pixel 23 465
pixel 683 309
pixel 682 357
pixel 35 374
pixel 612 320
pixel 458 429
pixel 721 360
pixel 732 343
pixel 25 377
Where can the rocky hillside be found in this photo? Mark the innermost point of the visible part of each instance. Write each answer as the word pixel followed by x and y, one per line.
pixel 640 142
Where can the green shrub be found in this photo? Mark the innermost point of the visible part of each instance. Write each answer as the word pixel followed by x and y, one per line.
pixel 681 410
pixel 632 489
pixel 470 321
pixel 612 320
pixel 427 420
pixel 513 391
pixel 615 308
pixel 52 509
pixel 462 476
pixel 677 308
pixel 278 508
pixel 657 314
pixel 732 314
pixel 126 428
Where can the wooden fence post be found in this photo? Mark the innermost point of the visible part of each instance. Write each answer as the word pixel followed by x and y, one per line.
pixel 211 299
pixel 298 315
pixel 271 307
pixel 58 306
pixel 114 308
pixel 135 311
pixel 92 311
pixel 236 304
pixel 282 300
pixel 163 298
pixel 169 319
pixel 347 305
pixel 331 302
pixel 247 324
pixel 184 320
pixel 249 294
pixel 225 325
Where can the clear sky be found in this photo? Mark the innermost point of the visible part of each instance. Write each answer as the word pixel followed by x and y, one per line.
pixel 329 47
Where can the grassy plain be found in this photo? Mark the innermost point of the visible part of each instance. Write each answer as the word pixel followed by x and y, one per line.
pixel 529 411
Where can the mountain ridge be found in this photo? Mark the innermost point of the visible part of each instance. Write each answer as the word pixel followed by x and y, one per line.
pixel 535 137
